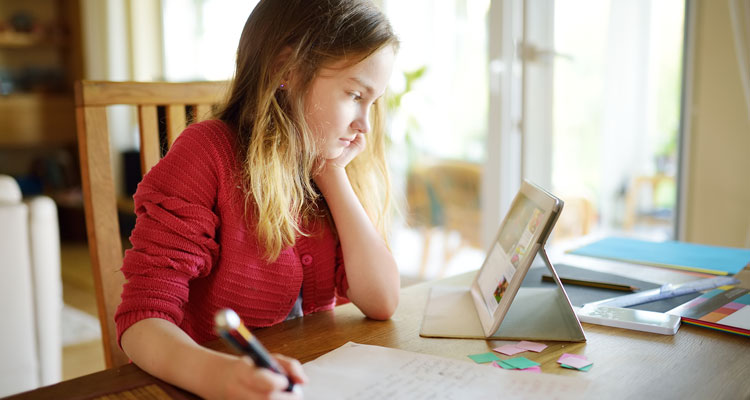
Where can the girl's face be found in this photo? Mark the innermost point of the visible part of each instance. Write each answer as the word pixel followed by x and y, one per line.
pixel 337 106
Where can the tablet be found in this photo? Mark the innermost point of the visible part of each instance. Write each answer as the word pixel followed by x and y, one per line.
pixel 495 305
pixel 522 234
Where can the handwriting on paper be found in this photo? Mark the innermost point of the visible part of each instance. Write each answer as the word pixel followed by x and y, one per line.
pixel 366 372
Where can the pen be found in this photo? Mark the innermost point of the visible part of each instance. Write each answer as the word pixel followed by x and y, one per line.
pixel 230 327
pixel 581 282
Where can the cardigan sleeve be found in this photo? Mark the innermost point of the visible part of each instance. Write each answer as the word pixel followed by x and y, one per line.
pixel 174 239
pixel 342 285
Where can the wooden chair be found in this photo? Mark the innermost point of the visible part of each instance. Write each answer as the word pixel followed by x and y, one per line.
pixel 183 103
pixel 641 201
pixel 577 219
pixel 444 195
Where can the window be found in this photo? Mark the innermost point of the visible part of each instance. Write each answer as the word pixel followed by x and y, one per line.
pixel 201 36
pixel 438 129
pixel 616 91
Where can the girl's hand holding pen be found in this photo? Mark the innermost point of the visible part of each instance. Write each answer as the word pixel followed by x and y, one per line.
pixel 244 380
pixel 257 374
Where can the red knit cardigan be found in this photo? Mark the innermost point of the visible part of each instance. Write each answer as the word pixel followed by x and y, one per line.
pixel 193 253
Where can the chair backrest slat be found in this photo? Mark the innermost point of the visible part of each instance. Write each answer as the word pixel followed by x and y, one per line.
pixel 202 112
pixel 105 242
pixel 148 125
pixel 176 122
pixel 103 231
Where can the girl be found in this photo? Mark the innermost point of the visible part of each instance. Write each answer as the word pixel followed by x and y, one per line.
pixel 272 209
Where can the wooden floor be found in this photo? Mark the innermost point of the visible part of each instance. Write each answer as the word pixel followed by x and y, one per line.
pixel 78 292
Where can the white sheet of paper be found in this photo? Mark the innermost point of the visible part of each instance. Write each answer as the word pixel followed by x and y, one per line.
pixel 364 372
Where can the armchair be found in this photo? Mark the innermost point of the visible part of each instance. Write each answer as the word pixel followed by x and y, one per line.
pixel 30 291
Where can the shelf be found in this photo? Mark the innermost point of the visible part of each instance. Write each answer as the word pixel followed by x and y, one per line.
pixel 40 64
pixel 34 119
pixel 14 40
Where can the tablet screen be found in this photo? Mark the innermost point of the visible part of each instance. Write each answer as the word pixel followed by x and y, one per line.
pixel 511 249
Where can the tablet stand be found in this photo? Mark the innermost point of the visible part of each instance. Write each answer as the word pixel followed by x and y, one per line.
pixel 534 314
pixel 541 313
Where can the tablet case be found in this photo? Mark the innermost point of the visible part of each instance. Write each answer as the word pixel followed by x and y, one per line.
pixel 534 314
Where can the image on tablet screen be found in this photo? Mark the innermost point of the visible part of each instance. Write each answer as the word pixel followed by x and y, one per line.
pixel 516 237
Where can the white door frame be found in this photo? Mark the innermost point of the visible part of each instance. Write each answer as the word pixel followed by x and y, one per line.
pixel 502 169
pixel 538 55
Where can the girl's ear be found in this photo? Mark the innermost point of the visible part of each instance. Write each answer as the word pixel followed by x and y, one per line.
pixel 279 64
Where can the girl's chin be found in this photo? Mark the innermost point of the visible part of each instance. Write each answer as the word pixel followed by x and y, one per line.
pixel 333 154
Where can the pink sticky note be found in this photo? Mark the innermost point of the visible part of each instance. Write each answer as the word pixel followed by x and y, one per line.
pixel 532 346
pixel 566 355
pixel 509 349
pixel 496 365
pixel 576 362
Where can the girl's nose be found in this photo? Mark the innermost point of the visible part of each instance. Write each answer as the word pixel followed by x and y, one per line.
pixel 362 123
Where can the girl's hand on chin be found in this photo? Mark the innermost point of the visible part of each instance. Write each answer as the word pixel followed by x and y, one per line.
pixel 351 151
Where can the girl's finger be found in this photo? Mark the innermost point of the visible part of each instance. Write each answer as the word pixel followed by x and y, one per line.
pixel 292 367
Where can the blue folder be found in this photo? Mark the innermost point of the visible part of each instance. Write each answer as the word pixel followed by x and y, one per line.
pixel 680 255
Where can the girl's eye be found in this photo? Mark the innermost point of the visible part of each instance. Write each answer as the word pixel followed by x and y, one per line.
pixel 356 97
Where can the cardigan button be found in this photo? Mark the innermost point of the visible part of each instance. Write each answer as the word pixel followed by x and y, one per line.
pixel 307 260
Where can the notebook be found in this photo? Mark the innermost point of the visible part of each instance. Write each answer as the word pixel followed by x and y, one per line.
pixel 495 305
pixel 726 308
pixel 714 260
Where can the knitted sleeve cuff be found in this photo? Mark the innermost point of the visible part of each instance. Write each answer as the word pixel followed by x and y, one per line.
pixel 342 285
pixel 126 320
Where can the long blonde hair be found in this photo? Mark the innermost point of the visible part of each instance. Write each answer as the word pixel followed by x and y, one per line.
pixel 276 147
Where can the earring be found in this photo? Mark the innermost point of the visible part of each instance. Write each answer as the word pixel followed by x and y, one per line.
pixel 282 86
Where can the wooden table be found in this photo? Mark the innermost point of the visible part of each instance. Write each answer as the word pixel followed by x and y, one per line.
pixel 695 363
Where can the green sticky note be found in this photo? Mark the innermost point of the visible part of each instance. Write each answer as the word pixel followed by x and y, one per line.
pixel 484 357
pixel 505 365
pixel 521 362
pixel 584 369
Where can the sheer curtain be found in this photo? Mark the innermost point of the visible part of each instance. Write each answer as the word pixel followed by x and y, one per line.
pixel 740 14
